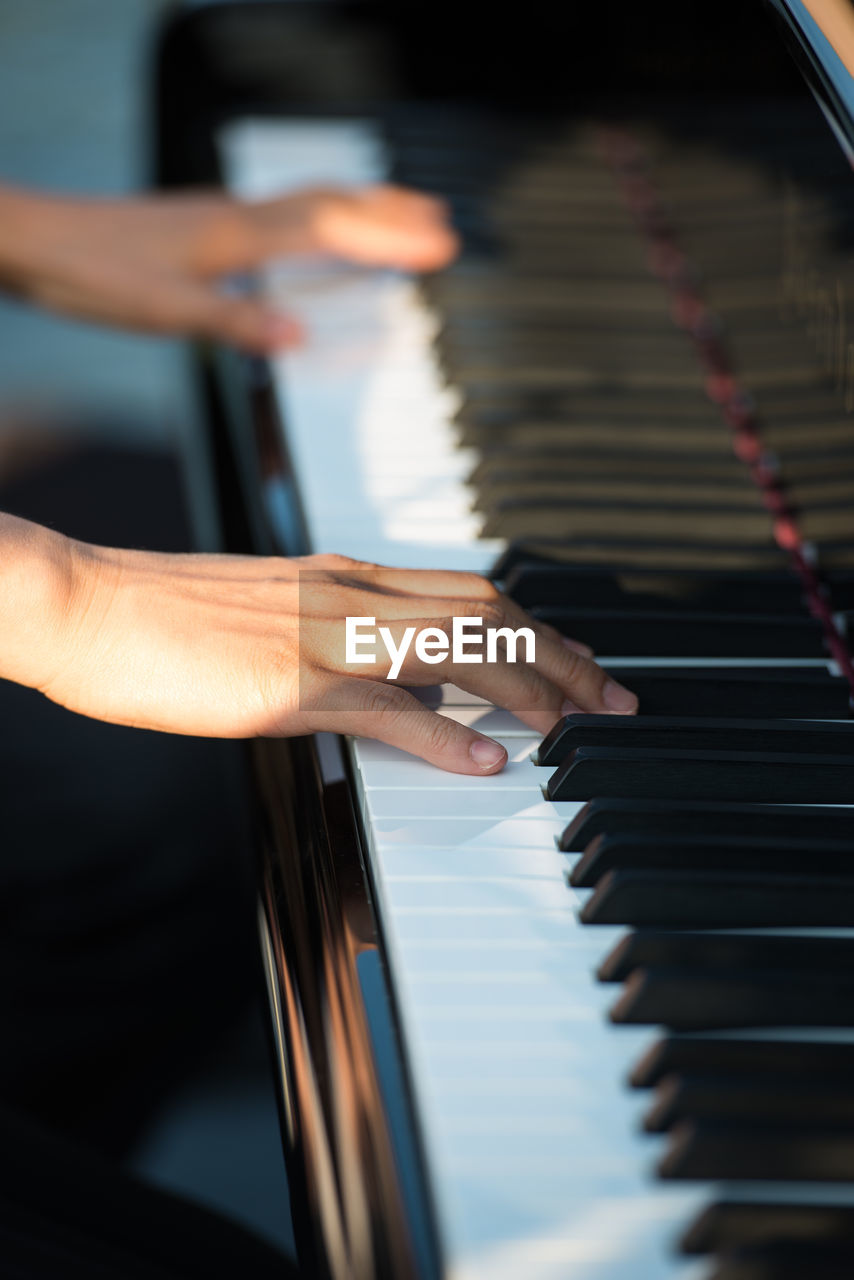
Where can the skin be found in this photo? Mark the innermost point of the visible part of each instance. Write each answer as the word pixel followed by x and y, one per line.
pixel 228 646
pixel 156 263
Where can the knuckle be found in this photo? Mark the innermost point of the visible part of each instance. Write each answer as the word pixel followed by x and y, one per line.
pixel 331 560
pixel 440 735
pixel 490 612
pixel 573 664
pixel 275 677
pixel 537 691
pixel 378 701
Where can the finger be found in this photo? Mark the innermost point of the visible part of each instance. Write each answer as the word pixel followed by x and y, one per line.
pixel 445 583
pixel 188 306
pixel 583 684
pixel 371 709
pixel 553 637
pixel 517 687
pixel 567 664
pixel 577 646
pixel 248 324
pixel 535 691
pixel 378 226
pixel 387 226
pixel 331 602
pixel 540 695
pixel 552 633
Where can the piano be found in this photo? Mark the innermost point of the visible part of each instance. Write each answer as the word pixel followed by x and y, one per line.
pixel 591 1018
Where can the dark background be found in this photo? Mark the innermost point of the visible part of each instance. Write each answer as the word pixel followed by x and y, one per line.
pixel 93 428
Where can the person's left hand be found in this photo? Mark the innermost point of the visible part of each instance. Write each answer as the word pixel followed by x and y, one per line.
pixel 156 263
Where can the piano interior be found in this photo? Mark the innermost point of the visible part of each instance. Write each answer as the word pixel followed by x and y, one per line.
pixel 594 1019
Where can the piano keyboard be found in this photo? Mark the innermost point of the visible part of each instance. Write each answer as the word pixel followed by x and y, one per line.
pixel 384 477
pixel 543 1160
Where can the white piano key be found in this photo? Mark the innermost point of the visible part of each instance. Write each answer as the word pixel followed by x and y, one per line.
pixel 518 776
pixel 466 832
pixel 490 928
pixel 387 802
pixel 518 749
pixel 474 955
pixel 489 896
pixel 401 861
pixel 449 696
pixel 363 398
pixel 493 721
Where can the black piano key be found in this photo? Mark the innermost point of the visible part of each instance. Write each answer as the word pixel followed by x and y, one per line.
pixel 488 405
pixel 763 1058
pixel 704 775
pixel 716 1151
pixel 727 953
pixel 815 1102
pixel 493 406
pixel 796 693
pixel 639 552
pixel 811 1260
pixel 495 492
pixel 720 900
pixel 585 588
pixel 687 1000
pixel 681 733
pixel 460 351
pixel 624 851
pixel 734 1224
pixel 703 635
pixel 841 588
pixel 505 460
pixel 504 470
pixel 718 525
pixel 562 440
pixel 613 814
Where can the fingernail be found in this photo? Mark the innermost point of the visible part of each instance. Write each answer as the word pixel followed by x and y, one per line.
pixel 570 709
pixel 577 647
pixel 486 754
pixel 617 699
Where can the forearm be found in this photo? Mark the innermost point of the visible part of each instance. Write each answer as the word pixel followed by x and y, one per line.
pixel 25 221
pixel 36 589
pixel 155 263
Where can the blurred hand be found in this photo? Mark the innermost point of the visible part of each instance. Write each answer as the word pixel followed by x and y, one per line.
pixel 230 646
pixel 155 263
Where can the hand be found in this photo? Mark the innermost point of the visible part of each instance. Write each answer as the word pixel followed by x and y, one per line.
pixel 228 646
pixel 155 263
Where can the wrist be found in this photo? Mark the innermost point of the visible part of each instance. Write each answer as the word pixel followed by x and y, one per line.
pixel 37 589
pixel 28 227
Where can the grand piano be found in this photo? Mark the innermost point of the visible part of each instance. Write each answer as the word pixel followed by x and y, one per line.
pixel 592 1018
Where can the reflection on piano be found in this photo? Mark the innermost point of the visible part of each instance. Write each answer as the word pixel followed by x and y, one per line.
pixel 591 1017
